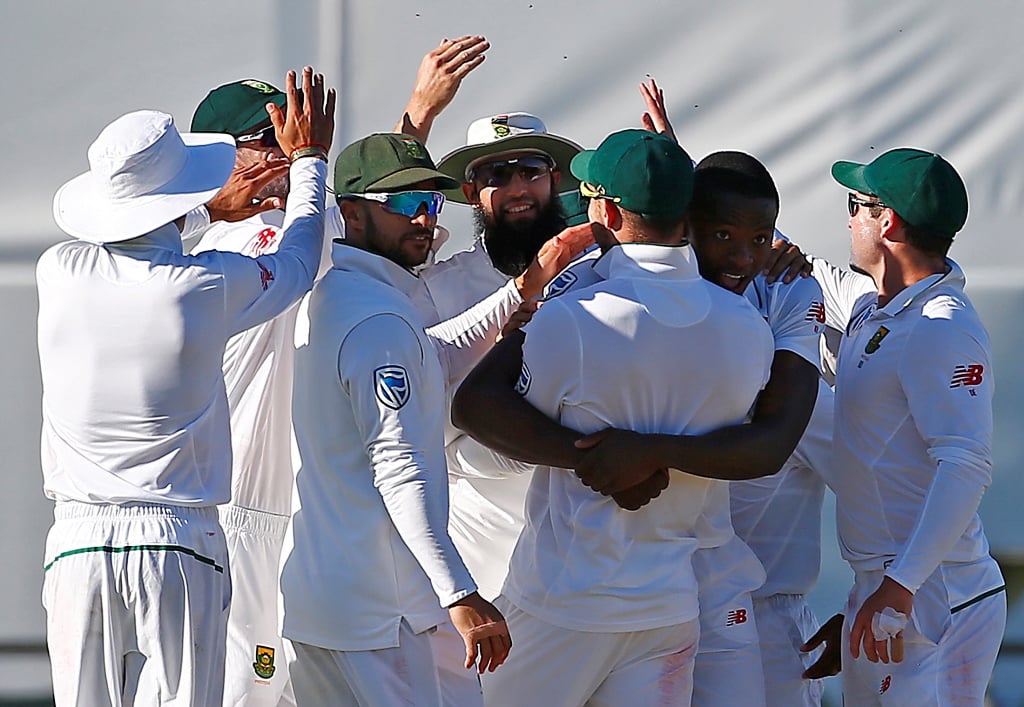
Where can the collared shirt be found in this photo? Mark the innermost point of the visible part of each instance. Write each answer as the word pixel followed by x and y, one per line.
pixel 653 348
pixel 370 545
pixel 131 339
pixel 913 426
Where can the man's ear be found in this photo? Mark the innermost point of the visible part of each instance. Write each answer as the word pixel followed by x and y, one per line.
pixel 556 177
pixel 890 225
pixel 354 216
pixel 471 193
pixel 609 215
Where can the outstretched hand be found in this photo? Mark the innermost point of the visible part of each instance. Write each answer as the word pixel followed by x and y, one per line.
pixel 655 118
pixel 440 74
pixel 309 123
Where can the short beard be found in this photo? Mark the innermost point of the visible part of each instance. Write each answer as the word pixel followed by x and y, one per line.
pixel 513 246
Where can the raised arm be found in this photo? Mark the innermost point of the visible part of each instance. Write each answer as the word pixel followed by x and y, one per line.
pixel 438 80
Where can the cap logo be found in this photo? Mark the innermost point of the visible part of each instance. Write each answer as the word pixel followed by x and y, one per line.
pixel 414 149
pixel 259 86
pixel 500 125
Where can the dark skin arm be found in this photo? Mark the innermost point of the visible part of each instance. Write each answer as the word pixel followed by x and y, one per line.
pixel 486 406
pixel 616 459
pixel 830 662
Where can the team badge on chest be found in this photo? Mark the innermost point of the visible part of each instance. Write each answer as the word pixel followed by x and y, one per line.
pixel 391 385
pixel 264 665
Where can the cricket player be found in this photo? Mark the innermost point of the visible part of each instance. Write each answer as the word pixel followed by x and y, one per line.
pixel 136 446
pixel 612 588
pixel 371 526
pixel 913 432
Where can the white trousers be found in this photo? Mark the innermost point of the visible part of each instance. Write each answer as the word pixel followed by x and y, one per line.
pixel 136 601
pixel 388 677
pixel 256 668
pixel 784 622
pixel 727 670
pixel 550 665
pixel 949 647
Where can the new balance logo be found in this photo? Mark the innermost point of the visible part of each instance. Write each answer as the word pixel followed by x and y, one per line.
pixel 886 684
pixel 736 616
pixel 816 313
pixel 967 375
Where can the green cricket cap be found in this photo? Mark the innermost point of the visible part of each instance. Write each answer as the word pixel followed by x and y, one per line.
pixel 921 187
pixel 385 162
pixel 237 108
pixel 644 172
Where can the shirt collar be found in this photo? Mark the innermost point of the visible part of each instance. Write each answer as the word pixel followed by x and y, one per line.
pixel 351 258
pixel 648 260
pixel 954 278
pixel 167 237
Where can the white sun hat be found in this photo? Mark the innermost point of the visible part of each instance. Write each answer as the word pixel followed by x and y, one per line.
pixel 143 174
pixel 497 135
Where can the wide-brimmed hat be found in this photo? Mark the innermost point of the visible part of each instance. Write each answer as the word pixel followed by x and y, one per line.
pixel 495 135
pixel 143 174
pixel 922 187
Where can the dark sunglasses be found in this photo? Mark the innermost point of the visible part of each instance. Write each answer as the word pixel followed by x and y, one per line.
pixel 266 137
pixel 854 202
pixel 500 174
pixel 406 203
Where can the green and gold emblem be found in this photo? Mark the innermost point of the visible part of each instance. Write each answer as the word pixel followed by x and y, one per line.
pixel 264 665
pixel 414 149
pixel 259 86
pixel 876 340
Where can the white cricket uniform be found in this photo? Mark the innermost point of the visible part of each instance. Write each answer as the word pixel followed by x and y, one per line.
pixel 583 566
pixel 258 366
pixel 913 431
pixel 369 548
pixel 136 449
pixel 740 560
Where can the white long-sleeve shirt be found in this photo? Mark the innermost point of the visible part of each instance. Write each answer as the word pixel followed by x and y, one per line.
pixel 913 424
pixel 131 340
pixel 370 541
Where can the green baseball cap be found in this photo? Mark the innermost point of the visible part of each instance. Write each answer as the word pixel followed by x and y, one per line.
pixel 921 187
pixel 644 172
pixel 385 162
pixel 237 108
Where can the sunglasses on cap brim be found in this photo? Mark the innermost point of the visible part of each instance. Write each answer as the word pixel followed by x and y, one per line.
pixel 265 136
pixel 406 203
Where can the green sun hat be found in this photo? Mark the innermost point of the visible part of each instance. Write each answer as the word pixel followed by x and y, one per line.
pixel 643 172
pixel 921 187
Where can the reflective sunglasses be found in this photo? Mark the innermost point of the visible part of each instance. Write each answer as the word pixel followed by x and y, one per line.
pixel 592 192
pixel 854 202
pixel 266 137
pixel 500 174
pixel 405 203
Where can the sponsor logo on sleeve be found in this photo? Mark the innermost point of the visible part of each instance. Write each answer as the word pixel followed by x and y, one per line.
pixel 523 384
pixel 968 376
pixel 264 665
pixel 816 313
pixel 561 284
pixel 266 277
pixel 391 385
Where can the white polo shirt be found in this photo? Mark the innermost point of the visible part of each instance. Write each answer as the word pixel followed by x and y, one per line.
pixel 131 340
pixel 913 427
pixel 656 349
pixel 369 543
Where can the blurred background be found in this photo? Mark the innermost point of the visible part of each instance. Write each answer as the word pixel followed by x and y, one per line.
pixel 798 84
